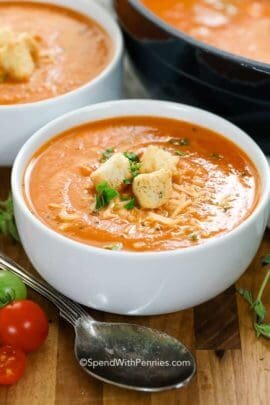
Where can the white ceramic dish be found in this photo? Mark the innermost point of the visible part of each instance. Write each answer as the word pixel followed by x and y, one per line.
pixel 19 121
pixel 140 283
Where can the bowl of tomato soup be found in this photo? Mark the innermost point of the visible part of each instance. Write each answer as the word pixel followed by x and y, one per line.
pixel 210 54
pixel 55 56
pixel 132 206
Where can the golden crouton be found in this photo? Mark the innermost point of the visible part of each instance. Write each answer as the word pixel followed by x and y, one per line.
pixel 31 43
pixel 113 171
pixel 155 158
pixel 17 55
pixel 152 190
pixel 16 60
pixel 6 35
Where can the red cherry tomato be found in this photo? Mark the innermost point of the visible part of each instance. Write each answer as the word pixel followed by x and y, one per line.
pixel 12 365
pixel 23 324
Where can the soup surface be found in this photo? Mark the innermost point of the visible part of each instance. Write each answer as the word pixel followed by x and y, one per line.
pixel 74 49
pixel 214 184
pixel 238 26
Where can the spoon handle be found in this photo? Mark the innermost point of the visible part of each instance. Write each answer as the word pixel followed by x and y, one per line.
pixel 69 310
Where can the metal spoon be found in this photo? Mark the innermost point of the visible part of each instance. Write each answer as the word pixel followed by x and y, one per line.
pixel 126 355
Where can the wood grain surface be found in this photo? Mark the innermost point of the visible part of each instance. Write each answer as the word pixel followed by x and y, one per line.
pixel 233 365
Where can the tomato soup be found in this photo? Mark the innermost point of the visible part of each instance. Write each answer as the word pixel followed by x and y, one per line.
pixel 74 49
pixel 241 27
pixel 73 184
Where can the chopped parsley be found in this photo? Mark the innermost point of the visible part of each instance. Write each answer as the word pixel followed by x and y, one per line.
pixel 266 260
pixel 194 237
pixel 7 220
pixel 105 194
pixel 106 154
pixel 180 153
pixel 135 168
pixel 179 142
pixel 256 304
pixel 134 164
pixel 133 157
pixel 127 181
pixel 131 204
pixel 115 246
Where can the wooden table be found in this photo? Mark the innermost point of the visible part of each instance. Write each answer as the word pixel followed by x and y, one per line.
pixel 233 365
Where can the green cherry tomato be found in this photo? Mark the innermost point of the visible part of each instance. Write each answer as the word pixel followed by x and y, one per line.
pixel 11 288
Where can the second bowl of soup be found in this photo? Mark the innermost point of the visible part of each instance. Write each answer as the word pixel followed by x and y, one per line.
pixel 55 56
pixel 138 203
pixel 210 54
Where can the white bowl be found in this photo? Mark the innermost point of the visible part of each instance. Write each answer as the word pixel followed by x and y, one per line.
pixel 140 283
pixel 19 121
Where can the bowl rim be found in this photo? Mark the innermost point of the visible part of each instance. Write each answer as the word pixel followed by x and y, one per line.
pixel 108 24
pixel 29 149
pixel 262 67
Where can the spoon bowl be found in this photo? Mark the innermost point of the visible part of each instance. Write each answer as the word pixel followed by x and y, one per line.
pixel 132 356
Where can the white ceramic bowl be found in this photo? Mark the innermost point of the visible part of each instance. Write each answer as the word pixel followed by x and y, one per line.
pixel 140 283
pixel 19 121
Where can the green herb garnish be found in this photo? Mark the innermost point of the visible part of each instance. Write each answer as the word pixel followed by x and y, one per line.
pixel 131 204
pixel 133 157
pixel 105 194
pixel 180 153
pixel 179 142
pixel 7 220
pixel 194 237
pixel 266 260
pixel 262 329
pixel 246 295
pixel 135 168
pixel 257 305
pixel 106 154
pixel 115 246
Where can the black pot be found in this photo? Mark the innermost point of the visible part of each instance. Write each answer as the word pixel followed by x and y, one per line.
pixel 175 66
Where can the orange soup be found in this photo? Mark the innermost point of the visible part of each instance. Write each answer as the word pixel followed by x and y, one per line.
pixel 74 49
pixel 141 184
pixel 238 26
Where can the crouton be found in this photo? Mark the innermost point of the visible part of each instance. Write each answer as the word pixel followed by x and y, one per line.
pixel 6 35
pixel 153 190
pixel 155 158
pixel 17 55
pixel 113 171
pixel 31 43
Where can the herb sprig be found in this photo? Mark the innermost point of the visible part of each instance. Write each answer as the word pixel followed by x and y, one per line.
pixel 135 166
pixel 107 154
pixel 105 194
pixel 180 153
pixel 131 204
pixel 116 246
pixel 7 220
pixel 133 157
pixel 257 305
